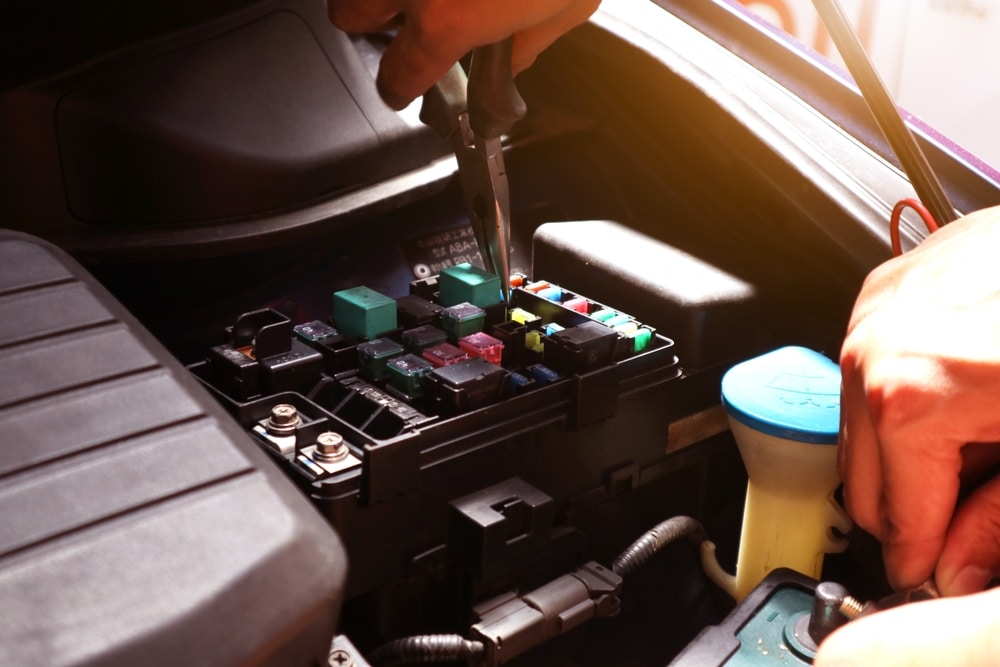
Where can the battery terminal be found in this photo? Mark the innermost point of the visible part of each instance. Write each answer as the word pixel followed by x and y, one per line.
pixel 278 428
pixel 327 456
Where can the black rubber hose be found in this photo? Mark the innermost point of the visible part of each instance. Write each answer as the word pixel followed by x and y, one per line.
pixel 425 648
pixel 673 529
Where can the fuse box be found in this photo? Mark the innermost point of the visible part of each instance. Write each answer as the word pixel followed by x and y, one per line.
pixel 475 444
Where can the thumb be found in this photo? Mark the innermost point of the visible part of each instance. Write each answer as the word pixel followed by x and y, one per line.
pixel 971 554
pixel 948 631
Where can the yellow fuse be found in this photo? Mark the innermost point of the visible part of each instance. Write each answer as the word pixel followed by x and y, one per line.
pixel 627 329
pixel 522 316
pixel 533 341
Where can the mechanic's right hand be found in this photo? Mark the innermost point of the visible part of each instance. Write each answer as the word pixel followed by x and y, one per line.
pixel 921 382
pixel 434 34
pixel 919 422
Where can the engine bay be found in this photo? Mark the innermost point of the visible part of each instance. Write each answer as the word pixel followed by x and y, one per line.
pixel 442 464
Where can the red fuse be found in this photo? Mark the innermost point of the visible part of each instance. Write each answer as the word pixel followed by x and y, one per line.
pixel 483 345
pixel 444 354
pixel 579 304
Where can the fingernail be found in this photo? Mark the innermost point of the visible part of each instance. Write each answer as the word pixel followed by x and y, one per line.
pixel 970 579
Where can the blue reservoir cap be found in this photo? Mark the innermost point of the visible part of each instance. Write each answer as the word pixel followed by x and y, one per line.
pixel 791 393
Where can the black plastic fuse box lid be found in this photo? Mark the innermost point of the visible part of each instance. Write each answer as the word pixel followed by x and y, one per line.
pixel 138 523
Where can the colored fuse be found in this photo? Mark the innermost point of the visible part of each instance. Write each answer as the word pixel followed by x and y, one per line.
pixel 406 373
pixel 462 319
pixel 374 355
pixel 516 280
pixel 520 383
pixel 552 327
pixel 444 354
pixel 422 337
pixel 533 341
pixel 315 331
pixel 617 320
pixel 579 304
pixel 552 293
pixel 522 316
pixel 641 339
pixel 483 345
pixel 603 315
pixel 628 328
pixel 536 286
pixel 543 375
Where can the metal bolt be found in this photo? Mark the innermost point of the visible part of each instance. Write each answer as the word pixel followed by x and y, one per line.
pixel 828 600
pixel 330 447
pixel 341 658
pixel 851 607
pixel 283 420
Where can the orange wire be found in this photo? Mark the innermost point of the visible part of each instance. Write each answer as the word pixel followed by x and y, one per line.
pixel 897 211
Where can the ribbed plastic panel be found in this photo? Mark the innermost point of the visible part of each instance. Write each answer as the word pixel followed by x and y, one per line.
pixel 138 524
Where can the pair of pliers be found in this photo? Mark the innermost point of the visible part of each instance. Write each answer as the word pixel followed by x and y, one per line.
pixel 473 112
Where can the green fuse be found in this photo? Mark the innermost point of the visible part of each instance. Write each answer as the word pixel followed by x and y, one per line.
pixel 374 356
pixel 640 339
pixel 461 320
pixel 406 374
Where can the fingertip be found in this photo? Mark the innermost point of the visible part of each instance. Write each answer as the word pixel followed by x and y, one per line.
pixel 390 95
pixel 970 579
pixel 522 63
pixel 971 553
pixel 849 646
pixel 408 68
pixel 908 565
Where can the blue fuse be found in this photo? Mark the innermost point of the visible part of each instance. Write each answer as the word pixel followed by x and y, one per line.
pixel 543 375
pixel 552 327
pixel 520 383
pixel 552 293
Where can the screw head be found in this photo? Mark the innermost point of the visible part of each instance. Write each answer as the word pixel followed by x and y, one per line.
pixel 283 420
pixel 341 658
pixel 330 447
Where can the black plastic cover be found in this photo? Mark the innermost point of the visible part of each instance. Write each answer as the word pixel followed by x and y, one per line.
pixel 138 523
pixel 200 131
pixel 253 120
pixel 702 306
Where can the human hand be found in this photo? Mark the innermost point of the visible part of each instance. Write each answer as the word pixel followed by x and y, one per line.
pixel 948 631
pixel 434 34
pixel 921 390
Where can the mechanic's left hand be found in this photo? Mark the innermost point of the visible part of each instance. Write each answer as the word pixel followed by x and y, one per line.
pixel 434 34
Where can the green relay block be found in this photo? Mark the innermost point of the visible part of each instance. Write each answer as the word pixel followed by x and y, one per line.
pixel 361 312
